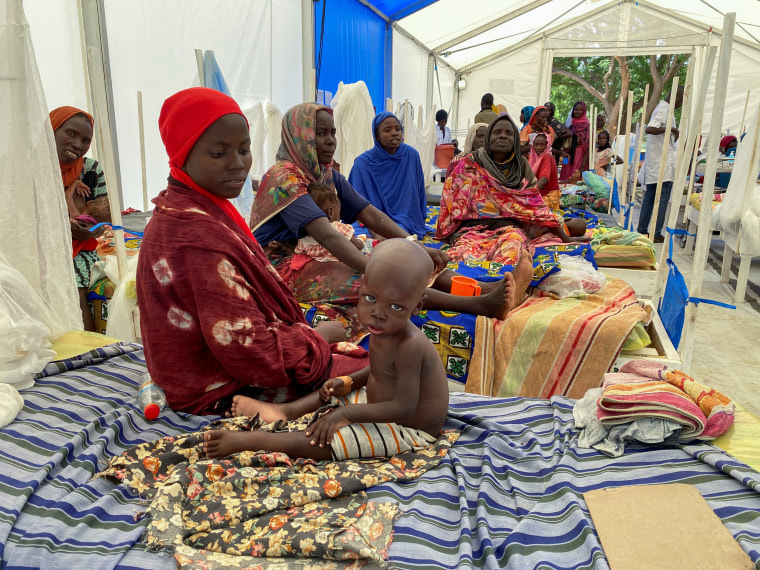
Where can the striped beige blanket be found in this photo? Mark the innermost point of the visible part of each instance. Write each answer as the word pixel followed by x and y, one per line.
pixel 549 346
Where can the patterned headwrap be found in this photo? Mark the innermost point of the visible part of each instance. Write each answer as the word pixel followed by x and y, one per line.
pixel 297 164
pixel 70 171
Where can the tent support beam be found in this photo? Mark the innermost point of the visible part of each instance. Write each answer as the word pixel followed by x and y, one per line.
pixel 94 26
pixel 490 25
pixel 704 234
pixel 532 38
pixel 307 49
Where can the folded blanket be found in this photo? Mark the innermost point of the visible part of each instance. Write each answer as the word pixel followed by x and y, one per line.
pixel 548 346
pixel 609 236
pixel 646 389
pixel 230 513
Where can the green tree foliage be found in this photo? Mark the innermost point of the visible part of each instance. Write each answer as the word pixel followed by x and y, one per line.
pixel 599 80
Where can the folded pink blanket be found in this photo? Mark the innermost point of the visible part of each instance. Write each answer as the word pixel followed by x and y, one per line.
pixel 645 389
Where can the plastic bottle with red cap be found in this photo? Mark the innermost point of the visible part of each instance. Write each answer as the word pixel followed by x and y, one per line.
pixel 151 398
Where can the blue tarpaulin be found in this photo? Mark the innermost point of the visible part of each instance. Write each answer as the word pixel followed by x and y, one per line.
pixel 353 48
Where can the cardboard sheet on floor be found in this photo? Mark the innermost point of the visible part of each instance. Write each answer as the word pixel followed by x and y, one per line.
pixel 650 527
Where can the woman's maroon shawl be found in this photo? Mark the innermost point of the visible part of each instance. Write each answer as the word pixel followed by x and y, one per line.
pixel 214 314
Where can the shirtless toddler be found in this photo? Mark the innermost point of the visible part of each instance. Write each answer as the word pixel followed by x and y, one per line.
pixel 403 394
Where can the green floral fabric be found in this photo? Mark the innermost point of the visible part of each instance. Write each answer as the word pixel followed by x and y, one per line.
pixel 262 509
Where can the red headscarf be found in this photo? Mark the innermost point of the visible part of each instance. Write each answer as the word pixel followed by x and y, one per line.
pixel 725 141
pixel 184 117
pixel 70 171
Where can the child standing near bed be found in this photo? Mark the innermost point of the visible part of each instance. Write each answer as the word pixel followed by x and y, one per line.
pixel 400 400
pixel 326 199
pixel 605 157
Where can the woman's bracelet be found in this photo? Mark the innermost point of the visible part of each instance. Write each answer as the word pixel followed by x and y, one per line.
pixel 411 238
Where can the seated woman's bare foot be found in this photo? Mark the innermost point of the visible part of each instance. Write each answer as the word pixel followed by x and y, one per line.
pixel 221 443
pixel 500 300
pixel 245 406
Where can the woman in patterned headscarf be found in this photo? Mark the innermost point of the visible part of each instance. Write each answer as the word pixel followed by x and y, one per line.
pixel 490 199
pixel 283 212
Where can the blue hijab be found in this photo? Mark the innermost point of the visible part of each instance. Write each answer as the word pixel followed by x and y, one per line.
pixel 393 183
pixel 527 112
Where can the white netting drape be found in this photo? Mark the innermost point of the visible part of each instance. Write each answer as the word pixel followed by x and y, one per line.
pixel 35 235
pixel 353 113
pixel 738 215
pixel 422 139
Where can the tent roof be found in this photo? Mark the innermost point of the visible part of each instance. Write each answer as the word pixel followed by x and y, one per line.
pixel 464 32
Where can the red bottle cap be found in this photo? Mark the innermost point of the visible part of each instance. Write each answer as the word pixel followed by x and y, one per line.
pixel 151 411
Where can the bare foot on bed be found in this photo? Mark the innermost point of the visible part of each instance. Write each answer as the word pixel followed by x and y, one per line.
pixel 245 406
pixel 500 300
pixel 221 443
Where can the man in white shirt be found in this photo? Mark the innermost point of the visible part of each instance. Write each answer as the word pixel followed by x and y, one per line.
pixel 443 132
pixel 651 171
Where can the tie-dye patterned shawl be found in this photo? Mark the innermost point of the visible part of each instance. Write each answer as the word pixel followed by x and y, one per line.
pixel 472 193
pixel 297 165
pixel 215 316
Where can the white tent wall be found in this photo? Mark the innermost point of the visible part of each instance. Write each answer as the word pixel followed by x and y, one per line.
pixel 151 49
pixel 443 89
pixel 54 27
pixel 513 81
pixel 410 71
pixel 744 76
pixel 410 77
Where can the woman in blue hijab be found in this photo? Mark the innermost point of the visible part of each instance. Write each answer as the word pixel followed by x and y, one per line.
pixel 390 176
pixel 525 114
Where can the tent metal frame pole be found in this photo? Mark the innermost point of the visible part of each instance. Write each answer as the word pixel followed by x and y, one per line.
pixel 664 157
pixel 141 132
pixel 307 48
pixel 96 38
pixel 199 66
pixel 704 234
pixel 744 114
pixel 626 161
pixel 692 109
pixel 85 66
pixel 102 127
pixel 637 155
pixel 430 87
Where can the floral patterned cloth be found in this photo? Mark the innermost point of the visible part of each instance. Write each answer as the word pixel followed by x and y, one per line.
pixel 297 164
pixel 231 513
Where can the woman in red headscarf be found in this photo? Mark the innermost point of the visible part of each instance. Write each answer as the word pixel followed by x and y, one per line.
pixel 83 178
pixel 218 323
